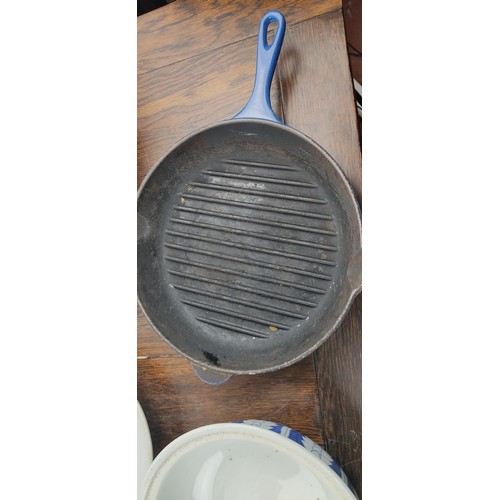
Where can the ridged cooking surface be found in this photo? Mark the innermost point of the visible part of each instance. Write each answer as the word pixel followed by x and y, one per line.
pixel 250 247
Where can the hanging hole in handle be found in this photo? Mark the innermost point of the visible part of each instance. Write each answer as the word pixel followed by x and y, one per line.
pixel 271 32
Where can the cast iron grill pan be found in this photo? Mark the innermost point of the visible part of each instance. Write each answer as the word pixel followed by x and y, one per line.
pixel 251 247
pixel 244 246
pixel 249 238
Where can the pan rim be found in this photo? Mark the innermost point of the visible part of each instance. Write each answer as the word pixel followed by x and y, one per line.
pixel 355 289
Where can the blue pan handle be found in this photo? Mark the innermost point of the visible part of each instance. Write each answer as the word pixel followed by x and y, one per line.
pixel 259 104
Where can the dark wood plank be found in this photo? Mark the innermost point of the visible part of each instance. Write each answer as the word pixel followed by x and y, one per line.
pixel 338 368
pixel 353 11
pixel 176 401
pixel 317 99
pixel 187 28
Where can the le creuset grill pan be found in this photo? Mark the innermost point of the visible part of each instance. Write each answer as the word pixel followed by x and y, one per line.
pixel 249 239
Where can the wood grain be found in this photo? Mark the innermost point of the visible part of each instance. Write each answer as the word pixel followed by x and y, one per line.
pixel 188 28
pixel 338 368
pixel 353 12
pixel 183 97
pixel 176 401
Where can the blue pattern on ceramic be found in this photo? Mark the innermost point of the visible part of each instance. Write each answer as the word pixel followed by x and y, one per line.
pixel 304 441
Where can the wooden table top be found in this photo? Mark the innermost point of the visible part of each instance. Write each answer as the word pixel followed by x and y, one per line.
pixel 196 64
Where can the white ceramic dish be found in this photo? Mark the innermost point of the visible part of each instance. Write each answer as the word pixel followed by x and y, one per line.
pixel 304 441
pixel 240 462
pixel 144 449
